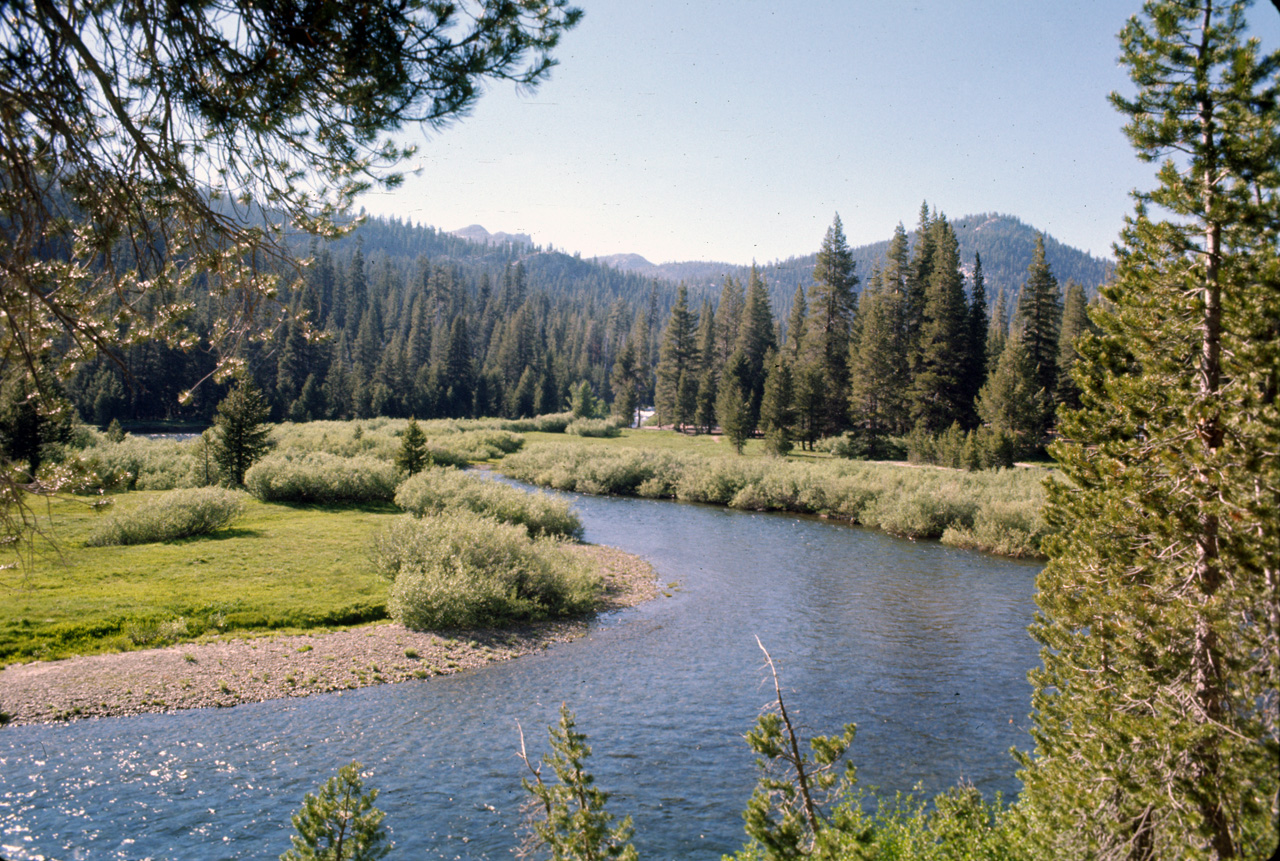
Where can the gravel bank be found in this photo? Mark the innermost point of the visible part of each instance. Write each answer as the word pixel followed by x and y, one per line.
pixel 226 673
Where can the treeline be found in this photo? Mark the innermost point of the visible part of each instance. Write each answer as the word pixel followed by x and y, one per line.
pixel 917 354
pixel 401 321
pixel 473 331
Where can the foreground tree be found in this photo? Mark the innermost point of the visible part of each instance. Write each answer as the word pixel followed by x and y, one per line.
pixel 568 817
pixel 1156 732
pixel 340 822
pixel 776 414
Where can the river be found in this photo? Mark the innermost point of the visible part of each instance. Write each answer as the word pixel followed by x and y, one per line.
pixel 923 646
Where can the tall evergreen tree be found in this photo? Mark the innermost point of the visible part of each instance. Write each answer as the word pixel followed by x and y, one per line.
pixel 728 318
pixel 625 380
pixel 756 339
pixel 997 331
pixel 939 394
pixel 704 417
pixel 1039 319
pixel 1075 322
pixel 878 377
pixel 776 412
pixel 1011 399
pixel 677 364
pixel 979 324
pixel 1156 723
pixel 916 281
pixel 794 345
pixel 733 401
pixel 826 347
pixel 459 376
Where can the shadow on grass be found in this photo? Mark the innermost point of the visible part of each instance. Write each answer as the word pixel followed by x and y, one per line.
pixel 340 507
pixel 220 535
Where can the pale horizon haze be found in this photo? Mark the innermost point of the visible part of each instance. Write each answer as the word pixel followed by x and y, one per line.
pixel 734 132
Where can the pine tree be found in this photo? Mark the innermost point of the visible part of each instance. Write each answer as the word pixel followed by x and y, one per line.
pixel 677 361
pixel 756 339
pixel 728 319
pixel 976 365
pixel 915 278
pixel 459 372
pixel 938 391
pixel 570 818
pixel 704 413
pixel 997 331
pixel 241 435
pixel 413 456
pixel 1039 320
pixel 795 326
pixel 1156 724
pixel 776 415
pixel 831 303
pixel 878 366
pixel 340 823
pixel 584 404
pixel 1011 400
pixel 1075 322
pixel 733 401
pixel 626 383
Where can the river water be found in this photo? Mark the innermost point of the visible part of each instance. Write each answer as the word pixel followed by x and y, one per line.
pixel 923 646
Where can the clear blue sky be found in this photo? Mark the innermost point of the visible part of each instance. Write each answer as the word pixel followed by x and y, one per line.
pixel 734 131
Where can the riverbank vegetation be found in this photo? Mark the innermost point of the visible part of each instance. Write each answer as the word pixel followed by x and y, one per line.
pixel 463 570
pixel 994 511
pixel 435 491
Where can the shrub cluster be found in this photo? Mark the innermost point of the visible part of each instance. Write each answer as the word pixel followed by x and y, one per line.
pixel 177 514
pixel 463 570
pixel 594 428
pixel 994 511
pixel 473 445
pixel 321 477
pixel 440 489
pixel 553 422
pixel 139 463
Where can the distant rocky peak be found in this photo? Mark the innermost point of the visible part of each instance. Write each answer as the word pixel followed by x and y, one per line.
pixel 476 233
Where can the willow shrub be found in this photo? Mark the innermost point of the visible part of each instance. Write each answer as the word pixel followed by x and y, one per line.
pixel 319 477
pixel 440 489
pixel 463 570
pixel 177 514
pixel 605 428
pixel 993 510
pixel 139 463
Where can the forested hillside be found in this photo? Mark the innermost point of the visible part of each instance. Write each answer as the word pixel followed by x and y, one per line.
pixel 404 320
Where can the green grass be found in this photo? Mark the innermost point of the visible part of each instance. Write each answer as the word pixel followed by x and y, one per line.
pixel 278 567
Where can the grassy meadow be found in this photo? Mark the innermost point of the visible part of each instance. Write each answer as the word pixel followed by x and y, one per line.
pixel 308 543
pixel 277 567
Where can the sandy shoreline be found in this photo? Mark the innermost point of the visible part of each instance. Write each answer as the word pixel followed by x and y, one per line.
pixel 226 673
